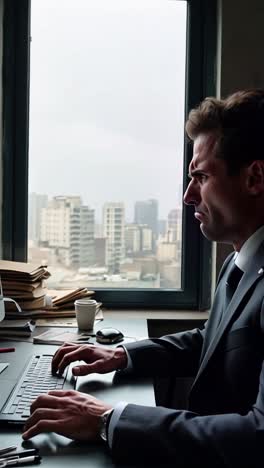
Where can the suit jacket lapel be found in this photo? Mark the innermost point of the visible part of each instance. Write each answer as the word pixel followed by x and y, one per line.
pixel 217 306
pixel 254 272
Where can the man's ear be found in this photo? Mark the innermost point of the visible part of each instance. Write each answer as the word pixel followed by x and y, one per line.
pixel 255 178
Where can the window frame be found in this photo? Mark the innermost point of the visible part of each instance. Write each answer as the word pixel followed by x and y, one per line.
pixel 195 293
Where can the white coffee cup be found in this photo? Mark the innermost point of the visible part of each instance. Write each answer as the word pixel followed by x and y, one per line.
pixel 85 310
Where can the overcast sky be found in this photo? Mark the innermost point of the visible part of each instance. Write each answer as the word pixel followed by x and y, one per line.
pixel 107 100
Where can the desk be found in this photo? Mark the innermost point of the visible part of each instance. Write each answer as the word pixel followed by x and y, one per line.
pixel 60 452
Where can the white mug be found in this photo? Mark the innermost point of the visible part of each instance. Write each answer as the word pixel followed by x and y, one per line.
pixel 85 310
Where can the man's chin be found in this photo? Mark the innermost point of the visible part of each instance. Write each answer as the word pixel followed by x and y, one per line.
pixel 207 232
pixel 215 235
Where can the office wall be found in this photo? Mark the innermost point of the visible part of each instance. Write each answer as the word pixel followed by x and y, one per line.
pixel 240 57
pixel 242 41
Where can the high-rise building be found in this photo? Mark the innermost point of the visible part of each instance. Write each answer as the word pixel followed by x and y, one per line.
pixel 162 223
pixel 67 227
pixel 174 231
pixel 132 239
pixel 100 249
pixel 138 239
pixel 146 212
pixel 167 251
pixel 36 202
pixel 114 231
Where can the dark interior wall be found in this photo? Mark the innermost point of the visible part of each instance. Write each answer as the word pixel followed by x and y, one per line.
pixel 240 61
pixel 160 327
pixel 242 41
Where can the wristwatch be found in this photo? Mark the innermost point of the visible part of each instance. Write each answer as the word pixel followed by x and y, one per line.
pixel 105 419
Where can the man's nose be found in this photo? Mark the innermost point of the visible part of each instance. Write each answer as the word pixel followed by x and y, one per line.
pixel 191 194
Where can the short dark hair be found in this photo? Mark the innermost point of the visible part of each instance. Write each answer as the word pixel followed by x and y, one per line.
pixel 238 121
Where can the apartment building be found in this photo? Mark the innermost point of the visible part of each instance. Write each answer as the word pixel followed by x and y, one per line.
pixel 146 212
pixel 67 227
pixel 138 239
pixel 114 232
pixel 37 201
pixel 174 231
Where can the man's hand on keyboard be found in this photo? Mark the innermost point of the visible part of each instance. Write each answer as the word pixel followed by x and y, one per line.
pixel 97 359
pixel 69 413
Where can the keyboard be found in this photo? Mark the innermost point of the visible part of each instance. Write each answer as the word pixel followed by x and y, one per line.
pixel 35 380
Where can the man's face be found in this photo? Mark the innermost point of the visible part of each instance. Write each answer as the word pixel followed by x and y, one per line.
pixel 220 200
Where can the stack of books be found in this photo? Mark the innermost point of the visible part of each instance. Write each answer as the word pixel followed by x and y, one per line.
pixel 62 303
pixel 16 328
pixel 64 299
pixel 24 284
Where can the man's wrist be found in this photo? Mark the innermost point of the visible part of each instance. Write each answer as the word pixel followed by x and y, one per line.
pixel 121 358
pixel 104 424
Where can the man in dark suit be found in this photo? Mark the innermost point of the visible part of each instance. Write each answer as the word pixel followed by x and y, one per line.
pixel 224 422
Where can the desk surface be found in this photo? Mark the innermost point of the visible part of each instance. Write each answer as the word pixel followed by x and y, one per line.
pixel 59 451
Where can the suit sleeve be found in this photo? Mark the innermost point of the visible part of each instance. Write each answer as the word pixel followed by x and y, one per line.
pixel 177 354
pixel 164 437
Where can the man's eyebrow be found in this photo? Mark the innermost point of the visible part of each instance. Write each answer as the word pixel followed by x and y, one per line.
pixel 195 172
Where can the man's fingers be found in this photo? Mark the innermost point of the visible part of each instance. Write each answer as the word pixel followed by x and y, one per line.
pixel 63 393
pixel 96 359
pixel 82 352
pixel 71 356
pixel 46 401
pixel 41 414
pixel 86 369
pixel 75 415
pixel 42 426
pixel 65 348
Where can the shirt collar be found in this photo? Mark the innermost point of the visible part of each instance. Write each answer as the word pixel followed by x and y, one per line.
pixel 248 249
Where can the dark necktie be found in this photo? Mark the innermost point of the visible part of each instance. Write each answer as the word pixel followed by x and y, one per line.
pixel 224 294
pixel 233 278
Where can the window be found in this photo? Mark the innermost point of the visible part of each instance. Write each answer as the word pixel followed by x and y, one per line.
pixel 107 156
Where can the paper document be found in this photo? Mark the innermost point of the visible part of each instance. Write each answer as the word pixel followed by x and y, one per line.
pixel 57 337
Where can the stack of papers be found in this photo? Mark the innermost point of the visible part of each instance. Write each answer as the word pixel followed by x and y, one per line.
pixel 58 337
pixel 13 328
pixel 65 298
pixel 60 304
pixel 25 284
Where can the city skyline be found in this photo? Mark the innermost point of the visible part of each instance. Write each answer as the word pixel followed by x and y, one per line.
pixel 63 234
pixel 177 205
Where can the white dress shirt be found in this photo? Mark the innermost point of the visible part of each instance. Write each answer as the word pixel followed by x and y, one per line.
pixel 248 249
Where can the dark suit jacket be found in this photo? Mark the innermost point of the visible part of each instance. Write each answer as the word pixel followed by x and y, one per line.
pixel 224 423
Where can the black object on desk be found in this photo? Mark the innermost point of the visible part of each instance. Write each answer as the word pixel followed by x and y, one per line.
pixel 109 335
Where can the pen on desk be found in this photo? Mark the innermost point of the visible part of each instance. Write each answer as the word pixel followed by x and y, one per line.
pixel 23 461
pixel 7 350
pixel 9 459
pixel 11 448
pixel 22 453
